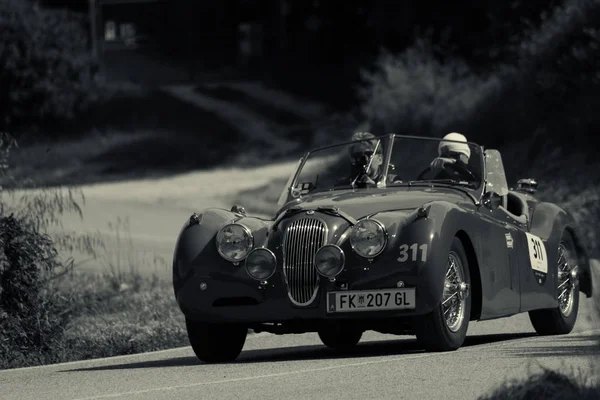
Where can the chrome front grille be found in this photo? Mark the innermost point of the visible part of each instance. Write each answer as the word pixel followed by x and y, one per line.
pixel 301 241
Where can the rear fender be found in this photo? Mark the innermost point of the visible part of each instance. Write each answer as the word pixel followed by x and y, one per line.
pixel 549 221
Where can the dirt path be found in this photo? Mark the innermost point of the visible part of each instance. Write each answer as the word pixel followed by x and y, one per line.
pixel 156 208
pixel 252 125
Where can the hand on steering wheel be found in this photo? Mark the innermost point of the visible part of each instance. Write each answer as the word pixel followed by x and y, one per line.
pixel 456 167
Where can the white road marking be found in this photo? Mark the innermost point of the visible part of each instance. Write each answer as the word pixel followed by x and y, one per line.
pixel 332 367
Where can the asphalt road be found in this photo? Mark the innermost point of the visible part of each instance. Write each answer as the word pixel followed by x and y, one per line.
pixel 300 367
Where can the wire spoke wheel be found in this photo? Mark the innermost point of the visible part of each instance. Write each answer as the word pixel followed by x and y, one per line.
pixel 453 302
pixel 445 327
pixel 567 281
pixel 561 319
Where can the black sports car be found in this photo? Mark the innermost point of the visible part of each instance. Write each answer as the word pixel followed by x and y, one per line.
pixel 398 252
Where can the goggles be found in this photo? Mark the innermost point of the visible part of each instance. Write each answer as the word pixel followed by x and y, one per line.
pixel 361 155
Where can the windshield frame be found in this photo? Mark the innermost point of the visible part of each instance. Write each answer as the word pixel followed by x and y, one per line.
pixel 388 141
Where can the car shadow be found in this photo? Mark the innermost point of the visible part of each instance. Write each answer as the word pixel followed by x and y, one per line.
pixel 314 352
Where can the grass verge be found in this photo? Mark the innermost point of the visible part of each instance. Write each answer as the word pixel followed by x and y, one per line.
pixel 135 316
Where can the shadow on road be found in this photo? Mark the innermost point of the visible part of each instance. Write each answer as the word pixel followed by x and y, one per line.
pixel 314 352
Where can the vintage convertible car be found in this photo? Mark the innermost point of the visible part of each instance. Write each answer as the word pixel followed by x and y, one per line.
pixel 404 254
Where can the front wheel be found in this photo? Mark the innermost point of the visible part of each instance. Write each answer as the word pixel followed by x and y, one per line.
pixel 214 343
pixel 561 320
pixel 339 336
pixel 445 328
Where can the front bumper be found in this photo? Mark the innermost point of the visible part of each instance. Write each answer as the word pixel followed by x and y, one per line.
pixel 245 301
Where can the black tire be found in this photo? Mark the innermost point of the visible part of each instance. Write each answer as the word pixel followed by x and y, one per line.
pixel 214 343
pixel 340 337
pixel 432 331
pixel 552 321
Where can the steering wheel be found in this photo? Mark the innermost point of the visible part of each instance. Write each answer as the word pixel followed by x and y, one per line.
pixel 458 168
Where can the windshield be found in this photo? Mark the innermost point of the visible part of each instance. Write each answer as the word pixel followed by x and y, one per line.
pixel 361 164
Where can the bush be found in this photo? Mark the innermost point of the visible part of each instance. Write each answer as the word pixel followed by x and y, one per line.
pixel 32 313
pixel 544 385
pixel 545 88
pixel 48 73
pixel 27 315
pixel 416 92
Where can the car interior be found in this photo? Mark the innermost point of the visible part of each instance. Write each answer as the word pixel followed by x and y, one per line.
pixel 516 207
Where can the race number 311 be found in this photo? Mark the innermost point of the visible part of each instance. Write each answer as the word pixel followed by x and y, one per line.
pixel 537 253
pixel 413 252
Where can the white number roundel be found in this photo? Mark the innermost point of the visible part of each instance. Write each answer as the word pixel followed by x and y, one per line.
pixel 537 253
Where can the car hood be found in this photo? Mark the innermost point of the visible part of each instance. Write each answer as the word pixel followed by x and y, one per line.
pixel 362 202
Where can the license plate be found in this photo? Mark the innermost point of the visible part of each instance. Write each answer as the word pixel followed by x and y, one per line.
pixel 371 300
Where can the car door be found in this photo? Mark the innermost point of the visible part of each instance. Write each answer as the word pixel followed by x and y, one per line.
pixel 501 266
pixel 514 238
pixel 503 240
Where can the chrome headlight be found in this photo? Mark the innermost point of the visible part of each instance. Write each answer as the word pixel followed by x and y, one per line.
pixel 261 263
pixel 234 242
pixel 329 261
pixel 368 238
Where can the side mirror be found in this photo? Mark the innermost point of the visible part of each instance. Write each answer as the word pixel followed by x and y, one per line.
pixel 528 185
pixel 492 200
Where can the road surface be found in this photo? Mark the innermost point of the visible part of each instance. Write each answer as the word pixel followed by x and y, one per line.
pixel 300 367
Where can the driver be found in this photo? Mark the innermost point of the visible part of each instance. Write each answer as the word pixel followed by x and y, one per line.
pixel 451 153
pixel 366 160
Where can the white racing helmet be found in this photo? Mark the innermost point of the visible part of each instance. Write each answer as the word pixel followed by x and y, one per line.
pixel 461 148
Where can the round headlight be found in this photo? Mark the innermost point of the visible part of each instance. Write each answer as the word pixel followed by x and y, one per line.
pixel 329 261
pixel 368 238
pixel 234 242
pixel 261 263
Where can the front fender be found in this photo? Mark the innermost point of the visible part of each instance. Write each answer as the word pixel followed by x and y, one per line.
pixel 195 248
pixel 418 246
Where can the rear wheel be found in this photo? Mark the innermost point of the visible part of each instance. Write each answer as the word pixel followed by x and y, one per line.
pixel 445 328
pixel 340 336
pixel 216 342
pixel 561 320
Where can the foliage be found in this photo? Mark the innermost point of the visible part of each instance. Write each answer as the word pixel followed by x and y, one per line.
pixel 48 73
pixel 544 87
pixel 547 384
pixel 415 92
pixel 50 312
pixel 27 314
pixel 32 314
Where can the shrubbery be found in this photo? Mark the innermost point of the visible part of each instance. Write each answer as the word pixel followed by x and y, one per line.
pixel 548 385
pixel 415 92
pixel 47 73
pixel 545 86
pixel 49 311
pixel 32 313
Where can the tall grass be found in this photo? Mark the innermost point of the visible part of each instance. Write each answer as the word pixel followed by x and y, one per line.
pixel 50 311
